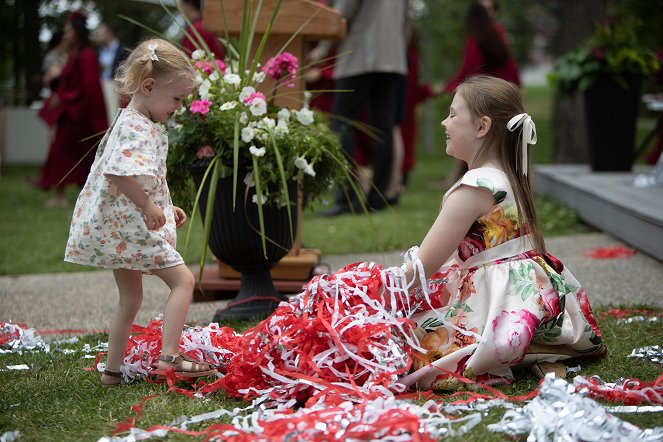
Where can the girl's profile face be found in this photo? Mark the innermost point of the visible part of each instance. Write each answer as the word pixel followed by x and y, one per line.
pixel 166 97
pixel 461 130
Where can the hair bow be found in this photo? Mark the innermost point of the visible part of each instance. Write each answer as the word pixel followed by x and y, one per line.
pixel 153 52
pixel 528 136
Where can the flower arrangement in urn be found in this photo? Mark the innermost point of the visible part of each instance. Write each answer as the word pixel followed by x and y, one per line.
pixel 232 124
pixel 613 51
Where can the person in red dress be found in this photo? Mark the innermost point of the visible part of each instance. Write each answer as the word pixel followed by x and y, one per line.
pixel 190 42
pixel 80 113
pixel 486 52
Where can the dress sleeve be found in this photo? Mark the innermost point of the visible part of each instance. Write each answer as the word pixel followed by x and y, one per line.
pixel 481 179
pixel 132 152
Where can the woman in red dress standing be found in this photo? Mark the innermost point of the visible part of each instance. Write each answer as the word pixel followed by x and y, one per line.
pixel 78 104
pixel 486 52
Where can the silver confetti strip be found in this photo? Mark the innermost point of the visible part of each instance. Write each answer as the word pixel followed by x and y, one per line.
pixel 653 353
pixel 638 319
pixel 559 414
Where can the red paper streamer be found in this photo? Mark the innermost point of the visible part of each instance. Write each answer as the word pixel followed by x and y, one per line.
pixel 620 251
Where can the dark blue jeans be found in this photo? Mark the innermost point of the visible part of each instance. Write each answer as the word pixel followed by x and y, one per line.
pixel 378 92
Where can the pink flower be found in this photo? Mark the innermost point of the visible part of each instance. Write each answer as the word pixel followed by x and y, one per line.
pixel 205 66
pixel 200 106
pixel 586 309
pixel 221 65
pixel 512 333
pixel 206 151
pixel 281 66
pixel 253 96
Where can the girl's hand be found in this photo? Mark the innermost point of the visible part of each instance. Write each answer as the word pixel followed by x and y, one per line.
pixel 154 216
pixel 180 217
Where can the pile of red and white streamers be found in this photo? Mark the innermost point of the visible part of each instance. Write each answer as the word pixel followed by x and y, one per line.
pixel 559 413
pixel 347 336
pixel 18 337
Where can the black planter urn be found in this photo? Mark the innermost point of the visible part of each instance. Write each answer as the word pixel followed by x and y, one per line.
pixel 611 113
pixel 235 239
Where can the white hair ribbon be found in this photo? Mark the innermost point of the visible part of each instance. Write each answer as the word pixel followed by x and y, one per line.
pixel 153 52
pixel 528 136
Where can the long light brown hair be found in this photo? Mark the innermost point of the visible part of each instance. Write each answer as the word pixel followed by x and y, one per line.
pixel 501 100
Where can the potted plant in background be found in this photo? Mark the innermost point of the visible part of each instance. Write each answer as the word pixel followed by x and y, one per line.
pixel 246 162
pixel 608 70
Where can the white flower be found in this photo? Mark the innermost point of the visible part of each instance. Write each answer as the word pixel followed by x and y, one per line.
pixel 257 151
pixel 214 76
pixel 243 118
pixel 258 107
pixel 307 98
pixel 247 134
pixel 246 93
pixel 248 180
pixel 258 77
pixel 281 129
pixel 301 163
pixel 305 116
pixel 266 124
pixel 254 199
pixel 228 105
pixel 232 79
pixel 203 89
pixel 198 54
pixel 199 78
pixel 284 114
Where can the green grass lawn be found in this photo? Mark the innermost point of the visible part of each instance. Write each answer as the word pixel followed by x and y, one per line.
pixel 57 400
pixel 34 237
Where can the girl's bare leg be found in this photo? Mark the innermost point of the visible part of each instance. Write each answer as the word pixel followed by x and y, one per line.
pixel 181 282
pixel 130 288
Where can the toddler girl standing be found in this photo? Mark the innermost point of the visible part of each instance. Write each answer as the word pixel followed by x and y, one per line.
pixel 124 218
pixel 497 299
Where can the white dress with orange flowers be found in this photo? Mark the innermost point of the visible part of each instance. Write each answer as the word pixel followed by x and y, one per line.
pixel 107 229
pixel 498 304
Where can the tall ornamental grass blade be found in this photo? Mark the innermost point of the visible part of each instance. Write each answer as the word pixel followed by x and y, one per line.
pixel 195 206
pixel 199 39
pixel 211 198
pixel 235 158
pixel 261 219
pixel 284 185
pixel 263 41
pixel 244 48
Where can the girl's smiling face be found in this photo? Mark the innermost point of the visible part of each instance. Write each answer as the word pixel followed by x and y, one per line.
pixel 162 98
pixel 461 131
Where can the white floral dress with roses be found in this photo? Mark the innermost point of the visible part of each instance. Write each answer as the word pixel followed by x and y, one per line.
pixel 107 229
pixel 498 304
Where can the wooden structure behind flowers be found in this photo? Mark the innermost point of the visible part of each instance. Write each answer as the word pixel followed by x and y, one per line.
pixel 306 20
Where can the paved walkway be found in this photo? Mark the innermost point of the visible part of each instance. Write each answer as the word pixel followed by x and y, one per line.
pixel 85 300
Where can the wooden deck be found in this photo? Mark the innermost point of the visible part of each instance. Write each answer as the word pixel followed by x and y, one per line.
pixel 609 202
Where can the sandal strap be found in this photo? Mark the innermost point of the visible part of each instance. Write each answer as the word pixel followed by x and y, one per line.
pixel 196 365
pixel 113 374
pixel 170 358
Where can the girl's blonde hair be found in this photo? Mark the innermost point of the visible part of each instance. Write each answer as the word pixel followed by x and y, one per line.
pixel 163 62
pixel 500 100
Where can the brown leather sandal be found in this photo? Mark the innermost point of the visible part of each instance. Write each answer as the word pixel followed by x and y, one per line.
pixel 198 369
pixel 540 369
pixel 117 378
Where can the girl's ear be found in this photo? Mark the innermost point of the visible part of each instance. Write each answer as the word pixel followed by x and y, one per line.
pixel 147 85
pixel 485 123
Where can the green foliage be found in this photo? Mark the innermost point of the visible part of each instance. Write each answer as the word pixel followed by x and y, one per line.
pixel 57 400
pixel 613 51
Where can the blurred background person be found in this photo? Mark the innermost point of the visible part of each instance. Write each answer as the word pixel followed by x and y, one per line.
pixel 111 54
pixel 53 62
pixel 371 65
pixel 190 41
pixel 78 111
pixel 486 52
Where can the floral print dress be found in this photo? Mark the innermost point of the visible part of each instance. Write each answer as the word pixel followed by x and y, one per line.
pixel 498 304
pixel 107 229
